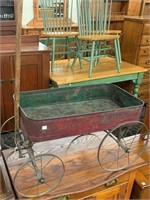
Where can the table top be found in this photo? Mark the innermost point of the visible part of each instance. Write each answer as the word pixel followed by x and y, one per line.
pixel 107 69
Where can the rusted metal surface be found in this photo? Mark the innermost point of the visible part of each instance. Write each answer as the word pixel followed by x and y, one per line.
pixel 61 112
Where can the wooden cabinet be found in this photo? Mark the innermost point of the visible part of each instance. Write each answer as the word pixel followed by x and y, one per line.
pixel 8 17
pixel 145 8
pixel 141 187
pixel 120 190
pixel 122 8
pixel 34 71
pixel 135 49
pixel 84 178
pixel 7 89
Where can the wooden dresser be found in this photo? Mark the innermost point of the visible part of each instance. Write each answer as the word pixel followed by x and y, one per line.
pixel 34 71
pixel 84 178
pixel 135 48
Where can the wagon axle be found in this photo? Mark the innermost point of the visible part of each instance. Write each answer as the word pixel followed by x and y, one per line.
pixel 128 150
pixel 39 175
pixel 42 180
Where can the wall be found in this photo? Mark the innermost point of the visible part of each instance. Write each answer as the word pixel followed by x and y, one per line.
pixel 27 14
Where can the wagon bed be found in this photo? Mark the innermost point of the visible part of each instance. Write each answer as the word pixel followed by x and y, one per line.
pixel 67 109
pixel 61 112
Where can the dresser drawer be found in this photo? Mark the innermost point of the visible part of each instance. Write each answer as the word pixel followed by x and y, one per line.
pixel 146 29
pixel 92 193
pixel 143 93
pixel 140 191
pixel 144 51
pixel 146 75
pixel 145 40
pixel 144 85
pixel 144 61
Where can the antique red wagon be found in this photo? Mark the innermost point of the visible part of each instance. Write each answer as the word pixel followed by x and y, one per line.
pixel 61 112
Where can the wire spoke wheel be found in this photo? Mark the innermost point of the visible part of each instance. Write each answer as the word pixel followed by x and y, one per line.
pixel 123 145
pixel 8 139
pixel 83 143
pixel 39 176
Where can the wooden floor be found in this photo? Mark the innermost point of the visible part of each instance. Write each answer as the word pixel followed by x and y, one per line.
pixel 78 167
pixel 63 74
pixel 6 190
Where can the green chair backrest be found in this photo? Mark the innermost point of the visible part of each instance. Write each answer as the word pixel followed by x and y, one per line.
pixel 93 16
pixel 57 15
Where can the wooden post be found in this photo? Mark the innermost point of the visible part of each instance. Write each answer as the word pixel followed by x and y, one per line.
pixel 17 65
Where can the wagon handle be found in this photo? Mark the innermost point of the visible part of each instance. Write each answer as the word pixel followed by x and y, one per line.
pixel 17 67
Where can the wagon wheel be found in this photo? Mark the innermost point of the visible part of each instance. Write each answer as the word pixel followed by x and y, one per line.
pixel 118 149
pixel 39 176
pixel 83 143
pixel 8 139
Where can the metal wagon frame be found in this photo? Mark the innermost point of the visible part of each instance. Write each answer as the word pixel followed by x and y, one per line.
pixel 78 111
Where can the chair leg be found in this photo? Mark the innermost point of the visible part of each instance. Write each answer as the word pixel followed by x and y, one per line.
pixel 53 54
pixel 97 53
pixel 105 45
pixel 117 54
pixel 68 48
pixel 91 60
pixel 47 41
pixel 74 60
pixel 77 55
pixel 79 49
pixel 118 46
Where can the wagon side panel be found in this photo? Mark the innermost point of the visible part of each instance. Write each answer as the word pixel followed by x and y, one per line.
pixel 43 130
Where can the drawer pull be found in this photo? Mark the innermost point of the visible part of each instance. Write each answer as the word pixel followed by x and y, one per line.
pixel 90 198
pixel 1 81
pixel 147 40
pixel 143 84
pixel 111 183
pixel 147 62
pixel 12 80
pixel 140 94
pixel 145 51
pixel 63 198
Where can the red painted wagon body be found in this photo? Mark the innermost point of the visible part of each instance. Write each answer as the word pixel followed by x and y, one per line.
pixel 62 112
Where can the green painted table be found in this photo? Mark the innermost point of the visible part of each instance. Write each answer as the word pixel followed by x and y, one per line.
pixel 106 72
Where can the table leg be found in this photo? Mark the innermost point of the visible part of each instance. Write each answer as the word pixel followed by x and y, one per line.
pixel 137 83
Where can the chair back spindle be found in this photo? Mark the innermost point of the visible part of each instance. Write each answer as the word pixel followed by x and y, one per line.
pixel 57 21
pixel 95 40
pixel 93 16
pixel 57 15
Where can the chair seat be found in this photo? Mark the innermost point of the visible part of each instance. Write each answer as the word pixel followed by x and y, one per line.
pixel 113 32
pixel 58 23
pixel 96 37
pixel 62 34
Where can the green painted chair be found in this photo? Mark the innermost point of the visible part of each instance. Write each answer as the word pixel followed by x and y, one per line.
pixel 94 34
pixel 57 22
